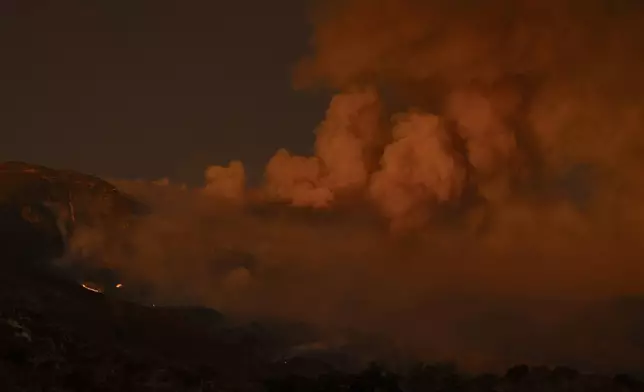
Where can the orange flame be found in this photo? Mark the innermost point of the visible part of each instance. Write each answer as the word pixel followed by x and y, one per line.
pixel 91 288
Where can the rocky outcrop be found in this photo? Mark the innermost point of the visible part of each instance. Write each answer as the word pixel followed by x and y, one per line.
pixel 41 207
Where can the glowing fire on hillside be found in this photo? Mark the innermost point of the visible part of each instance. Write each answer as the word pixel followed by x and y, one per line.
pixel 91 287
pixel 96 288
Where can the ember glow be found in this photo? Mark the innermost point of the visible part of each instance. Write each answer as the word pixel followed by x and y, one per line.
pixel 88 287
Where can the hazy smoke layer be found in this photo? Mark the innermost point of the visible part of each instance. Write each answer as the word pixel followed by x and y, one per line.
pixel 475 190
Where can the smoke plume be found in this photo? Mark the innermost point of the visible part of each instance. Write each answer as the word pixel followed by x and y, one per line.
pixel 345 153
pixel 226 182
pixel 475 192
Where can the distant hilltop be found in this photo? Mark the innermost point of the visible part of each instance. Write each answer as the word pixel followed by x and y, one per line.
pixel 40 208
pixel 85 196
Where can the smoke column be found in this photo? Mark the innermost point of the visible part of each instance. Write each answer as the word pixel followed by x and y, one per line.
pixel 475 192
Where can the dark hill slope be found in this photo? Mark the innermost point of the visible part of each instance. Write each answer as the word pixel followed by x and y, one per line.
pixel 55 336
pixel 41 207
pixel 54 333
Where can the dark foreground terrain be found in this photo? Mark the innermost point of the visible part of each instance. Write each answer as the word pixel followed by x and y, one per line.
pixel 56 335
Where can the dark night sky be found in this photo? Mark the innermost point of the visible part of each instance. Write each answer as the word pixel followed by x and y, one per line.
pixel 152 88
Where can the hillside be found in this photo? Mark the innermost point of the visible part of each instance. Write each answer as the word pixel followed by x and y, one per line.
pixel 56 335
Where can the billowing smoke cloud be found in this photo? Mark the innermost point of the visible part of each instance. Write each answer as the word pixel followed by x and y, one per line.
pixel 418 169
pixel 345 153
pixel 296 179
pixel 500 140
pixel 226 182
pixel 527 89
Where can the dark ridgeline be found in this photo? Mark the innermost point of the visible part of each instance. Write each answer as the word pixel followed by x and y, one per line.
pixel 40 208
pixel 73 196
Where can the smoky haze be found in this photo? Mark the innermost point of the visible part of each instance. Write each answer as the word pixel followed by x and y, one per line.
pixel 474 193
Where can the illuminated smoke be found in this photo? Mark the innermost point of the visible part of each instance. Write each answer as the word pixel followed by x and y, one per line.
pixel 296 179
pixel 348 139
pixel 419 169
pixel 504 137
pixel 526 91
pixel 227 182
pixel 345 151
pixel 490 143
